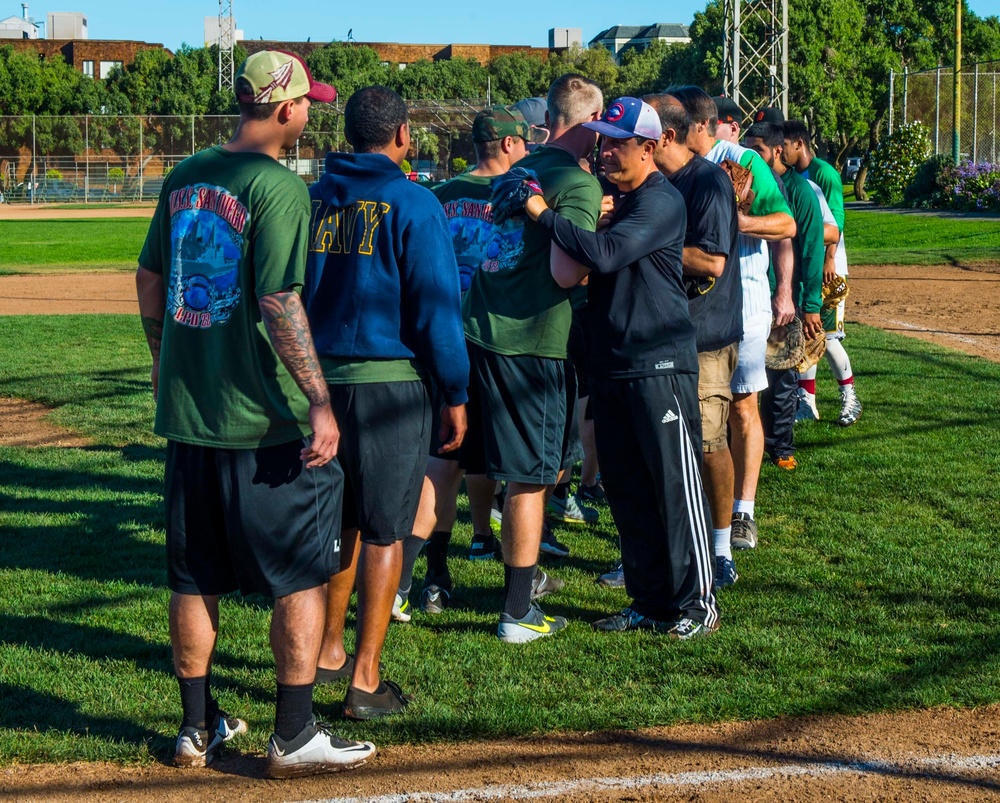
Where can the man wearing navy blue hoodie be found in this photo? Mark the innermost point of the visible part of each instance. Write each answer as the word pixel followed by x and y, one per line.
pixel 383 299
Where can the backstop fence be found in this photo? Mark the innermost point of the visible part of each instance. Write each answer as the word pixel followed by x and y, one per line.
pixel 108 159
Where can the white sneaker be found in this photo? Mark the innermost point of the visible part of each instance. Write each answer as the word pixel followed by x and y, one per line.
pixel 313 751
pixel 401 608
pixel 807 410
pixel 850 407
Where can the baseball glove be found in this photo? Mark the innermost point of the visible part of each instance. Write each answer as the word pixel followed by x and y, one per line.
pixel 835 291
pixel 742 180
pixel 813 352
pixel 784 346
pixel 510 192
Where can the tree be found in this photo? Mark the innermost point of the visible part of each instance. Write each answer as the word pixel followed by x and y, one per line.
pixel 595 63
pixel 348 67
pixel 516 76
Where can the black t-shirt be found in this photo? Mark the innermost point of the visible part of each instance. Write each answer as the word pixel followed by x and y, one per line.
pixel 712 226
pixel 637 304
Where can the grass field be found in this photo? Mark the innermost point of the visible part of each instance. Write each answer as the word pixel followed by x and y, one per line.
pixel 875 586
pixel 875 238
pixel 61 246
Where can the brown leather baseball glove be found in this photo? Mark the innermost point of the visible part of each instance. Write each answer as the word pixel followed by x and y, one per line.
pixel 742 179
pixel 813 352
pixel 835 291
pixel 784 346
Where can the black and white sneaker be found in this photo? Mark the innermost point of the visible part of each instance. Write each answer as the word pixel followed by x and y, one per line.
pixel 543 584
pixel 686 629
pixel 744 532
pixel 485 547
pixel 434 599
pixel 199 748
pixel 551 545
pixel 627 619
pixel 315 750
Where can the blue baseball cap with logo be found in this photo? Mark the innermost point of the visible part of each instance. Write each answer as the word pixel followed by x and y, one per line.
pixel 626 118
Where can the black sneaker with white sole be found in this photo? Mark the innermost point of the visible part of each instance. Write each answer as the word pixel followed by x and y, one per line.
pixel 551 545
pixel 315 750
pixel 198 748
pixel 543 584
pixel 434 599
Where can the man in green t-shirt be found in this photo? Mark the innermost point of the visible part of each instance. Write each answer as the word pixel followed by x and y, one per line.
pixel 778 402
pixel 252 491
pixel 517 322
pixel 500 136
pixel 799 155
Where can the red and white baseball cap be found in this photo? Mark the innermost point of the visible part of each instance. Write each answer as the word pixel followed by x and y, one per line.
pixel 276 75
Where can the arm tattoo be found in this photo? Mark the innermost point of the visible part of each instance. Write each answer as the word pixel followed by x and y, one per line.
pixel 154 335
pixel 288 329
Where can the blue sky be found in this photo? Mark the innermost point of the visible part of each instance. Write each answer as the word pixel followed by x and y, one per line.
pixel 423 21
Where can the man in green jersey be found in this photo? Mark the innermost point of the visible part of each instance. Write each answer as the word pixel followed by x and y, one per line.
pixel 252 492
pixel 800 155
pixel 517 321
pixel 778 402
pixel 500 135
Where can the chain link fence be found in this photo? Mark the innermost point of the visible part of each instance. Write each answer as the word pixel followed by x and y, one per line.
pixel 123 159
pixel 928 97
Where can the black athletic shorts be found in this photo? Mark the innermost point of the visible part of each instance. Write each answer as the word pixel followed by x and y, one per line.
pixel 384 431
pixel 523 403
pixel 256 520
pixel 470 455
pixel 572 449
pixel 578 349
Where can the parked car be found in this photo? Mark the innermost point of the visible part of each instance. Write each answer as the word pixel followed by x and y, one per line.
pixel 852 167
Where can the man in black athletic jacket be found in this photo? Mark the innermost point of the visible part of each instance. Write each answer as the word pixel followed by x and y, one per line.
pixel 644 375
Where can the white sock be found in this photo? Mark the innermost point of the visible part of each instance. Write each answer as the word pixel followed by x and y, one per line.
pixel 839 362
pixel 743 506
pixel 722 546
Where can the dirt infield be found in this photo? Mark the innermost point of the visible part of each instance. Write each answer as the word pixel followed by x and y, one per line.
pixel 43 212
pixel 951 306
pixel 940 754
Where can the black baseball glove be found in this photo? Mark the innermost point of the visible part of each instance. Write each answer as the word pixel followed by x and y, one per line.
pixel 511 191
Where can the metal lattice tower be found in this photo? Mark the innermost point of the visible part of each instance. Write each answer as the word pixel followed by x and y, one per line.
pixel 227 33
pixel 755 54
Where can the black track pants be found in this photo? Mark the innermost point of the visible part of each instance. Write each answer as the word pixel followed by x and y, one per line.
pixel 777 412
pixel 649 442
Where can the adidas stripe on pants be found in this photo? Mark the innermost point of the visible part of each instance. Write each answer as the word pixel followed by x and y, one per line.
pixel 649 441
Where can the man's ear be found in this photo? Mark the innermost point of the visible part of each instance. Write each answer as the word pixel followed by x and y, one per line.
pixel 285 111
pixel 402 135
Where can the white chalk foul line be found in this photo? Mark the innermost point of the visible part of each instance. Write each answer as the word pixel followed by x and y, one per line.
pixel 536 791
pixel 915 328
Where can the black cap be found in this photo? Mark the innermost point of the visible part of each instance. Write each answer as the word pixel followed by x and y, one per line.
pixel 769 114
pixel 728 111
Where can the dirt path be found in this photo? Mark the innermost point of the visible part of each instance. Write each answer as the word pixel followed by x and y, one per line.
pixel 931 755
pixel 43 212
pixel 952 306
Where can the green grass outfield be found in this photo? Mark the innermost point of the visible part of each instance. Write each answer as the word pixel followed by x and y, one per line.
pixel 874 238
pixel 876 585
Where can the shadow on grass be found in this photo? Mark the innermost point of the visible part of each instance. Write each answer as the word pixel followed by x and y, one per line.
pixel 29 710
pixel 44 633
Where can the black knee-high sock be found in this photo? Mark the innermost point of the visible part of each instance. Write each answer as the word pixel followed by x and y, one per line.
pixel 292 710
pixel 194 697
pixel 517 590
pixel 437 559
pixel 561 491
pixel 411 550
